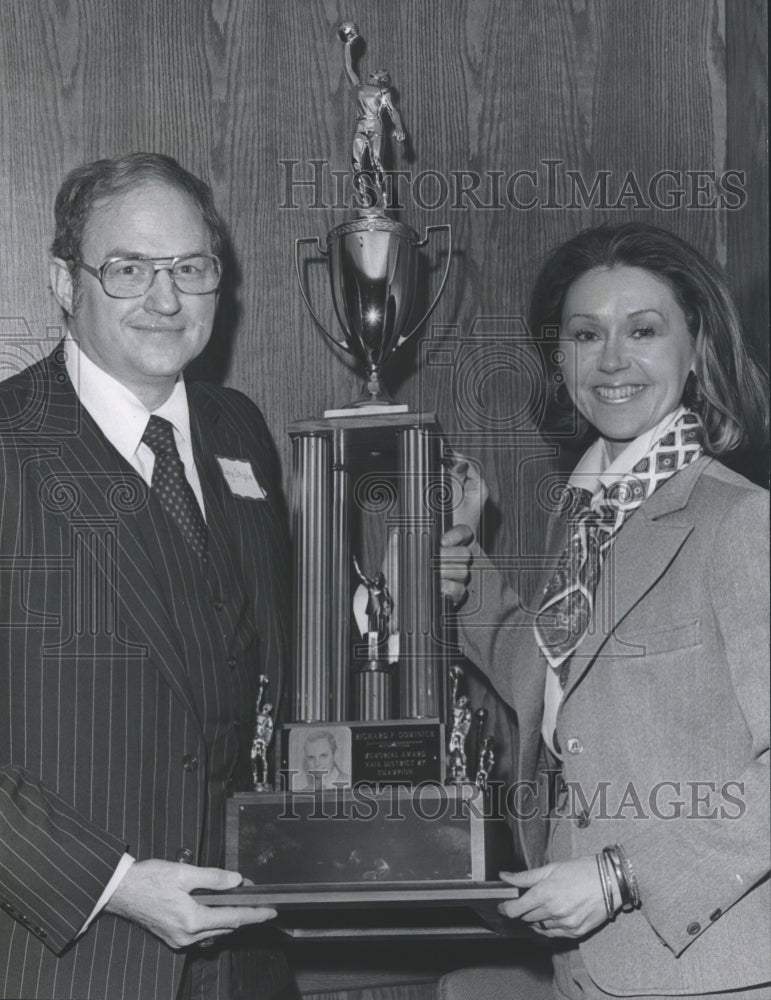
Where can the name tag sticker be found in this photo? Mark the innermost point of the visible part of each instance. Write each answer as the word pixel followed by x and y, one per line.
pixel 241 479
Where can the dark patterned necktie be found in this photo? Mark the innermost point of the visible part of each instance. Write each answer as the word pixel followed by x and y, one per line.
pixel 593 523
pixel 170 483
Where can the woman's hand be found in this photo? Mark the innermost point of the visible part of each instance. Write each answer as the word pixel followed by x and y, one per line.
pixel 470 494
pixel 561 900
pixel 469 497
pixel 455 561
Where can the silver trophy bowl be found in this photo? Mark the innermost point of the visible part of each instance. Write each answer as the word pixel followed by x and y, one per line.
pixel 372 263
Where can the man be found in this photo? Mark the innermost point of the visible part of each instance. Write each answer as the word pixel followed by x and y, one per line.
pixel 321 767
pixel 142 586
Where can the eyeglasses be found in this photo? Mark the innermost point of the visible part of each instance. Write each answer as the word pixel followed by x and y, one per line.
pixel 126 277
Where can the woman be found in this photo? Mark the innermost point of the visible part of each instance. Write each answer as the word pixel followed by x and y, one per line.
pixel 640 681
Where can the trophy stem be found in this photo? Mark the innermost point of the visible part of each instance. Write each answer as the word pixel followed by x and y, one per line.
pixel 373 392
pixel 373 693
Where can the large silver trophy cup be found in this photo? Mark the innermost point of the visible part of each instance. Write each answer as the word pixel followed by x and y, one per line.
pixel 372 259
pixel 373 272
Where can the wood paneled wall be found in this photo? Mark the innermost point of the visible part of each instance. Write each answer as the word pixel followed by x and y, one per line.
pixel 568 90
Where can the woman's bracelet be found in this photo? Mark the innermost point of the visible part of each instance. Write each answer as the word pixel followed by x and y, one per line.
pixel 622 869
pixel 607 891
pixel 630 877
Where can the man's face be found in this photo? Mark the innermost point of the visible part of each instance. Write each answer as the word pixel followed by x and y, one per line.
pixel 318 756
pixel 143 342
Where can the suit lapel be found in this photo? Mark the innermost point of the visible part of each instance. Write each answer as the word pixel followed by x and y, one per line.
pixel 210 439
pixel 110 491
pixel 640 555
pixel 252 530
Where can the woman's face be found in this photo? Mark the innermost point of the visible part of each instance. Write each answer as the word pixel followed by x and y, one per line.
pixel 627 351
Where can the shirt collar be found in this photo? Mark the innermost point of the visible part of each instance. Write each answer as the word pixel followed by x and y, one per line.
pixel 596 469
pixel 118 413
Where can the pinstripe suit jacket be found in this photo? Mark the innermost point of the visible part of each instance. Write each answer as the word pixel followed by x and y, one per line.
pixel 665 726
pixel 99 717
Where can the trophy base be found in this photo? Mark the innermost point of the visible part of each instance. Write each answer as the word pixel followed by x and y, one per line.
pixel 410 911
pixel 371 860
pixel 364 408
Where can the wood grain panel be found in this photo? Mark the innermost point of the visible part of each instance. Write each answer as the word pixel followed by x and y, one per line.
pixel 747 107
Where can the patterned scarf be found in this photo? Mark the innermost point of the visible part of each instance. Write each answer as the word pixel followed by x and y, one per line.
pixel 593 523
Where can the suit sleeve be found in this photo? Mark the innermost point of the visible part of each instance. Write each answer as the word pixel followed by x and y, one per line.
pixel 691 871
pixel 54 863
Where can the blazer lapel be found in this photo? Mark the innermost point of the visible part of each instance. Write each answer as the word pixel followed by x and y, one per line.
pixel 112 493
pixel 640 555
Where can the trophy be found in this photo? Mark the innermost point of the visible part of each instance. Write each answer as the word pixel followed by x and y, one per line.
pixel 461 724
pixel 263 733
pixel 372 690
pixel 378 728
pixel 372 259
pixel 485 751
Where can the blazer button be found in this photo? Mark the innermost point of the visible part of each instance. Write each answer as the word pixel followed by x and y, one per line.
pixel 232 662
pixel 693 928
pixel 219 606
pixel 574 745
pixel 190 762
pixel 39 932
pixel 184 855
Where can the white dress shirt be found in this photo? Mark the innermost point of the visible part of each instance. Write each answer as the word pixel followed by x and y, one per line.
pixel 122 418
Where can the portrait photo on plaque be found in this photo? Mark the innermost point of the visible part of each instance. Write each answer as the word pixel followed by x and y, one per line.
pixel 318 757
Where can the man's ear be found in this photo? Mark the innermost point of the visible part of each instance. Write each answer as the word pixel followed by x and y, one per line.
pixel 61 283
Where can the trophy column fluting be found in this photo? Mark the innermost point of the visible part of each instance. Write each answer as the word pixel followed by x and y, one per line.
pixel 419 527
pixel 311 515
pixel 340 558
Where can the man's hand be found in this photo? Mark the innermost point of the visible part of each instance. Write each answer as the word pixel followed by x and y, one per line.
pixel 562 900
pixel 156 895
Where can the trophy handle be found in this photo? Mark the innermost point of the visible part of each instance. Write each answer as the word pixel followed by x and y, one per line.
pixel 303 292
pixel 446 226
